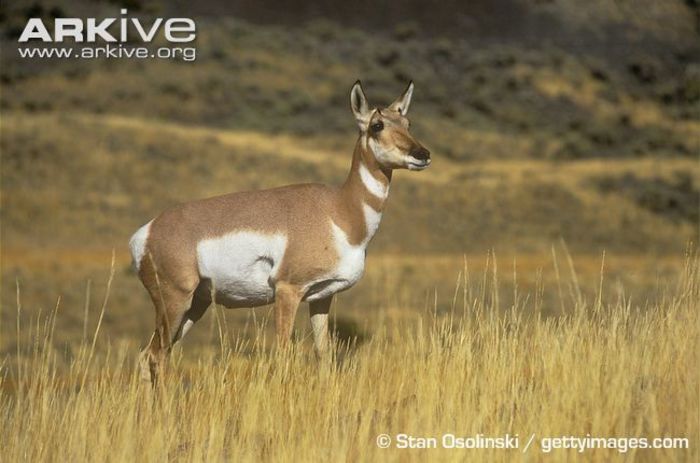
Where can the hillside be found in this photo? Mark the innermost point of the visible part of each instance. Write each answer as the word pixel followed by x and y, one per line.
pixel 584 131
pixel 76 180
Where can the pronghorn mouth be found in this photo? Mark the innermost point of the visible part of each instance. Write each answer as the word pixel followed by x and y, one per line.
pixel 415 164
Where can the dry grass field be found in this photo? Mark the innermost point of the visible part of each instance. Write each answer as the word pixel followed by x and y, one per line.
pixel 608 368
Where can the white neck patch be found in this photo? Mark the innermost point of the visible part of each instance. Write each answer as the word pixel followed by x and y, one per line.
pixel 372 219
pixel 351 258
pixel 374 186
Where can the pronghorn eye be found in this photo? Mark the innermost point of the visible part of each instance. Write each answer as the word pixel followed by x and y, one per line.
pixel 377 126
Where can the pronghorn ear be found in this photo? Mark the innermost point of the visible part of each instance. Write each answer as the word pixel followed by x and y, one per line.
pixel 404 101
pixel 359 105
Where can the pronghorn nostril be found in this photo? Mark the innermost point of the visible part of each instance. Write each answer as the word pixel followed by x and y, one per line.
pixel 421 154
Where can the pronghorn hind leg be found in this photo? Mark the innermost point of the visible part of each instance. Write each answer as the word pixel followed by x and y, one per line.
pixel 318 313
pixel 170 309
pixel 287 299
pixel 150 360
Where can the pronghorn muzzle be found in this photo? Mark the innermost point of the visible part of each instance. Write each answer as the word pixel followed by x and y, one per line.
pixel 419 158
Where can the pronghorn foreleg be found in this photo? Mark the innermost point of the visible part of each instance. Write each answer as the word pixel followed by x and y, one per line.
pixel 318 313
pixel 287 299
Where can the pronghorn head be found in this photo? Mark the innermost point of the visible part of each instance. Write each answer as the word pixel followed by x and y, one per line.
pixel 385 131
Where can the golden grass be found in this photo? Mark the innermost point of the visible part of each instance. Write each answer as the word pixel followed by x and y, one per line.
pixel 608 368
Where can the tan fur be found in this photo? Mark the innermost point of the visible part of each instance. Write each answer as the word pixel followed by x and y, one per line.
pixel 169 268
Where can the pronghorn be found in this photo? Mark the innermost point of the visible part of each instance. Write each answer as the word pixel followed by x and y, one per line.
pixel 289 244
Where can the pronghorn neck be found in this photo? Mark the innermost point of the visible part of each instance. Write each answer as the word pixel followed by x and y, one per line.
pixel 364 193
pixel 367 176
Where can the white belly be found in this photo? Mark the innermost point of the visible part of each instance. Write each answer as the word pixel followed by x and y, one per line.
pixel 242 266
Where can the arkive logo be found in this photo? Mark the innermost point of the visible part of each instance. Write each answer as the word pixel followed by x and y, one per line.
pixel 120 37
pixel 176 30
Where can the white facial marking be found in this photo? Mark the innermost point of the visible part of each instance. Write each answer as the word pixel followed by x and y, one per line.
pixel 242 266
pixel 416 164
pixel 137 244
pixel 375 147
pixel 374 186
pixel 384 156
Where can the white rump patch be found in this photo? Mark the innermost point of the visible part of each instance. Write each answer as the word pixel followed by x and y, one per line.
pixel 242 266
pixel 374 186
pixel 137 244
